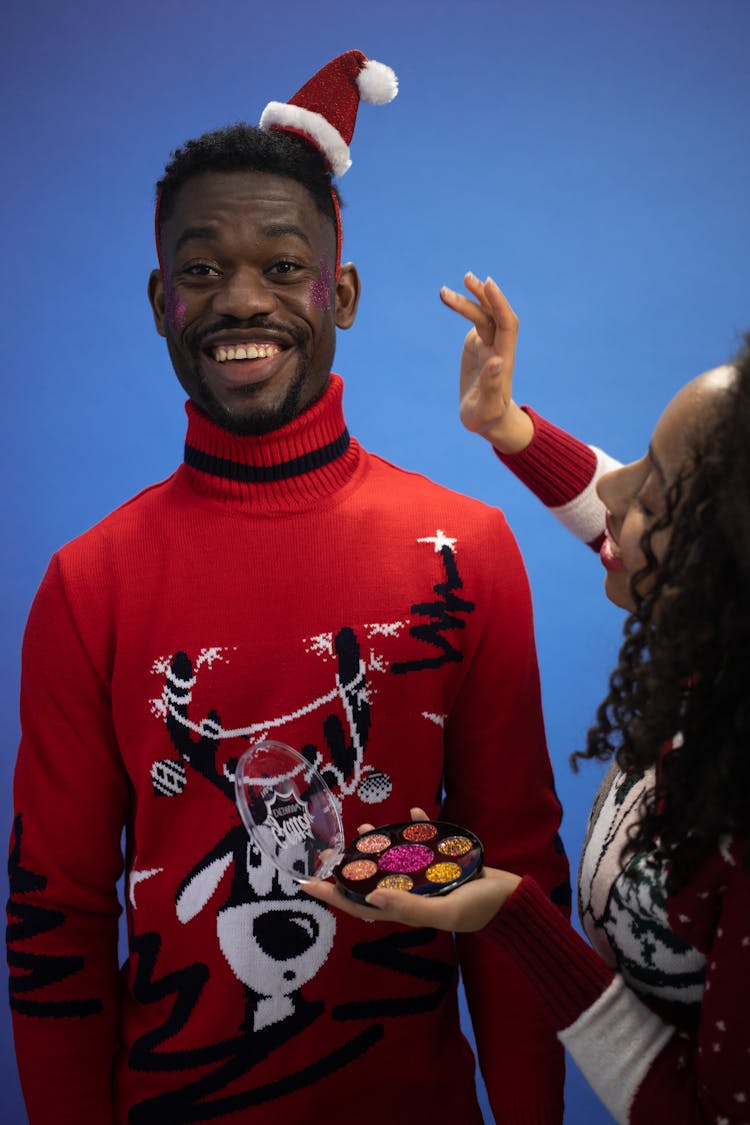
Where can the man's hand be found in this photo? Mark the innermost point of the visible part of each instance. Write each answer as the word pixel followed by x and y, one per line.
pixel 486 404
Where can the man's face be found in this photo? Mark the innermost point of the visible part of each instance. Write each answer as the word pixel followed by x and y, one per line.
pixel 248 303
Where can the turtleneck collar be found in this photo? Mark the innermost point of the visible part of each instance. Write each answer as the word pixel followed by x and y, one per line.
pixel 307 460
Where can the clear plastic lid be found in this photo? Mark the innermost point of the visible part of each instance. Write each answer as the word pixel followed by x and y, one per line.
pixel 288 810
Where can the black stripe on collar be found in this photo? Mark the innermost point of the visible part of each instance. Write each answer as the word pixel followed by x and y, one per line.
pixel 263 474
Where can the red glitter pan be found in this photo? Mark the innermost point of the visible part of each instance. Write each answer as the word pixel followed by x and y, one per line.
pixel 426 857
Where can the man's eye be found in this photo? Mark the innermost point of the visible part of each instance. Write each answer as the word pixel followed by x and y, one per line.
pixel 285 267
pixel 199 269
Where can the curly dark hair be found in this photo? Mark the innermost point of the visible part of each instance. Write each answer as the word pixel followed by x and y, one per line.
pixel 248 148
pixel 684 664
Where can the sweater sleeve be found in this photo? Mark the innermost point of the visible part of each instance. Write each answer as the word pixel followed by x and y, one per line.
pixel 641 1066
pixel 499 783
pixel 562 472
pixel 70 797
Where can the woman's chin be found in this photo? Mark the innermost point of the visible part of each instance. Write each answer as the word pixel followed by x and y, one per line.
pixel 617 589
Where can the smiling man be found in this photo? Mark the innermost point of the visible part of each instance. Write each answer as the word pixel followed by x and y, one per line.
pixel 283 583
pixel 248 303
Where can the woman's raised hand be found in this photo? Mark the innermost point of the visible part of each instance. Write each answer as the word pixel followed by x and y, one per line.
pixel 486 374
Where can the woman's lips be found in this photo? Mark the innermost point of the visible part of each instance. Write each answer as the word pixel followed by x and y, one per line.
pixel 607 553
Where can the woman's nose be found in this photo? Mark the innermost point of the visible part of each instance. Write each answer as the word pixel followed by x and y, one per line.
pixel 604 486
pixel 617 488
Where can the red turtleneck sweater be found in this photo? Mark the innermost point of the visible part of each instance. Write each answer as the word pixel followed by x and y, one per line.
pixel 290 586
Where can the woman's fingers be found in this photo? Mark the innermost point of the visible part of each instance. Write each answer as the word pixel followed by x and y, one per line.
pixel 479 317
pixel 467 908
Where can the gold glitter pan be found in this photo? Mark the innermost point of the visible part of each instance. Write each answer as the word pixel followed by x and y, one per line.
pixel 429 857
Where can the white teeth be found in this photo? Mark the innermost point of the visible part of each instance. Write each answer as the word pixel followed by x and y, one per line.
pixel 245 351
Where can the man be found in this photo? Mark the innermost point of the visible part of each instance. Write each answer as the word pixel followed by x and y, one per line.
pixel 282 583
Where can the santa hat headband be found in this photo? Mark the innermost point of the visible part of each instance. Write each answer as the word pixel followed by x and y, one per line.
pixel 324 112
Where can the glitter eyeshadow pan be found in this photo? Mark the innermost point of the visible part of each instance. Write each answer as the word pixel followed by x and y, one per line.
pixel 454 845
pixel 419 831
pixel 359 869
pixel 405 857
pixel 373 843
pixel 423 857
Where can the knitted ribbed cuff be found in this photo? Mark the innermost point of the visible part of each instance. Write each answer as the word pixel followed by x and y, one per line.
pixel 555 466
pixel 559 964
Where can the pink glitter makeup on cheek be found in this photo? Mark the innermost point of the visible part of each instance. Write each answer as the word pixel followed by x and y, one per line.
pixel 174 307
pixel 320 288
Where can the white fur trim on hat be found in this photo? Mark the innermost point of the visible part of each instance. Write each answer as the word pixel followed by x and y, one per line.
pixel 377 83
pixel 326 137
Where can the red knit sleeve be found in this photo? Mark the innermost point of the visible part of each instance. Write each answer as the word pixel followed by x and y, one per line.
pixel 706 1076
pixel 641 1066
pixel 499 783
pixel 562 472
pixel 65 858
pixel 561 965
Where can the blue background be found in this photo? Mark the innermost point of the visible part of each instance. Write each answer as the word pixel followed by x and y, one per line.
pixel 592 154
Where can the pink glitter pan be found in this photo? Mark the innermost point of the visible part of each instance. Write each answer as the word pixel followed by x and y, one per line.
pixel 421 857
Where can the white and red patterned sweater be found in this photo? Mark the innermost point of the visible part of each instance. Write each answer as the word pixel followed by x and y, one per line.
pixel 657 1013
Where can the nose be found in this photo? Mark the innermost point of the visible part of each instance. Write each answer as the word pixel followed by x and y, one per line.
pixel 244 293
pixel 606 486
pixel 617 488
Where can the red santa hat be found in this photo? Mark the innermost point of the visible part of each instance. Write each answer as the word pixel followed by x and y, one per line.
pixel 324 110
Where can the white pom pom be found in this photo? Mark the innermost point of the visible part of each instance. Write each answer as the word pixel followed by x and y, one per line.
pixel 377 83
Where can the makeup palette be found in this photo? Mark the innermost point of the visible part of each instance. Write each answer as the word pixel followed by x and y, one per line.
pixel 425 857
pixel 294 819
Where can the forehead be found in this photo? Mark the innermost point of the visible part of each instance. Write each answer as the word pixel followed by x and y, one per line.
pixel 690 409
pixel 241 203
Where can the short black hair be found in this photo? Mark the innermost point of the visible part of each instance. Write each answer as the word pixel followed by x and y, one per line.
pixel 248 148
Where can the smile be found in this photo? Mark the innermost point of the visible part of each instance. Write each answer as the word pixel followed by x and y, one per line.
pixel 222 353
pixel 610 550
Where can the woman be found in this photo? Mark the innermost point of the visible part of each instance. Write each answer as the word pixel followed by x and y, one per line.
pixel 657 1013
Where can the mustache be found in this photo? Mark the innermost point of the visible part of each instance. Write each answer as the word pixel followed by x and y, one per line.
pixel 262 323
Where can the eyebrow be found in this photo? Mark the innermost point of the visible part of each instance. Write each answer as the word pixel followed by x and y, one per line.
pixel 273 230
pixel 278 230
pixel 194 233
pixel 658 466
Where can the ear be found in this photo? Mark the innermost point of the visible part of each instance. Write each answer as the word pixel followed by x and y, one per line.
pixel 157 300
pixel 347 295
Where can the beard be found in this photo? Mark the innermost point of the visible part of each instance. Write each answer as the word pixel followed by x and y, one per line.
pixel 250 418
pixel 253 420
